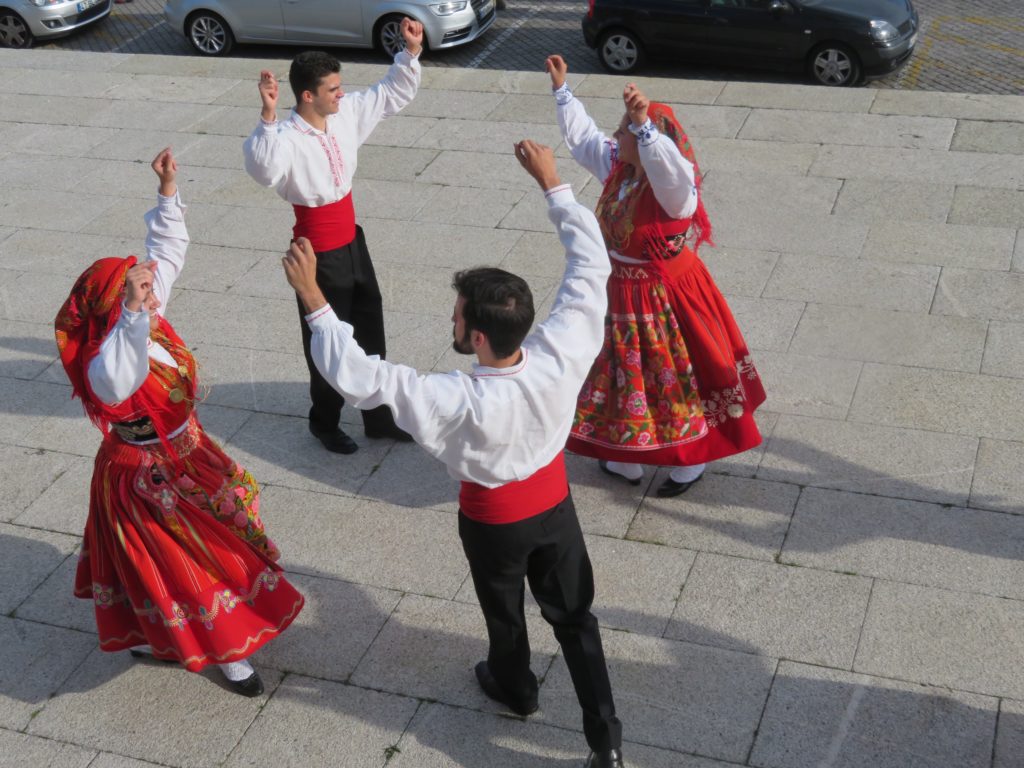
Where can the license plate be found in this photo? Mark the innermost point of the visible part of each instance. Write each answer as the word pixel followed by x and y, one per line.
pixel 87 4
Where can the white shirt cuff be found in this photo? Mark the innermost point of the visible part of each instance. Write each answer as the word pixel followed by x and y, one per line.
pixel 646 134
pixel 320 318
pixel 405 58
pixel 562 94
pixel 560 195
pixel 172 204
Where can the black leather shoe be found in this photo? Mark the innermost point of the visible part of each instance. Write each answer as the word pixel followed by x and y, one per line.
pixel 610 759
pixel 251 686
pixel 136 654
pixel 671 488
pixel 335 441
pixel 604 468
pixel 393 432
pixel 494 691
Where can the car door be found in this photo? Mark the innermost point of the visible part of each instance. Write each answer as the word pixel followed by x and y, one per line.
pixel 324 21
pixel 750 30
pixel 673 27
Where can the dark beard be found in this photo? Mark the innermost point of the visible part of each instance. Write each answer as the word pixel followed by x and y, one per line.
pixel 463 345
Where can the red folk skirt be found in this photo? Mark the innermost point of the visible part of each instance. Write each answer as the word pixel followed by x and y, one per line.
pixel 674 383
pixel 175 555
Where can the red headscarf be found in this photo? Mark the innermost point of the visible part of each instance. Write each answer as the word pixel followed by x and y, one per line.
pixel 90 312
pixel 619 219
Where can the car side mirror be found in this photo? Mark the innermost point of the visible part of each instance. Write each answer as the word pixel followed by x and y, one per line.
pixel 780 6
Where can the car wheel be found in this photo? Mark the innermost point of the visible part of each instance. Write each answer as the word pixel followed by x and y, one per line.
pixel 834 64
pixel 620 51
pixel 389 36
pixel 14 32
pixel 209 34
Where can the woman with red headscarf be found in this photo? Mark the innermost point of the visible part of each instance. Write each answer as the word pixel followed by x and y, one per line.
pixel 674 384
pixel 175 557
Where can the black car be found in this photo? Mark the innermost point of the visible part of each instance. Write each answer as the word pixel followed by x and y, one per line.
pixel 838 42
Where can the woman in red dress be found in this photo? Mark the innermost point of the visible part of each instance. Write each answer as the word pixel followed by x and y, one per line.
pixel 174 557
pixel 674 384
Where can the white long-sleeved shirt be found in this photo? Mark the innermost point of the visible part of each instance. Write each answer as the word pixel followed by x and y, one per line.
pixel 314 168
pixel 669 173
pixel 495 425
pixel 122 364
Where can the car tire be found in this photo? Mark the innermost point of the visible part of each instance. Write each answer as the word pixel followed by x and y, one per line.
pixel 834 64
pixel 620 51
pixel 209 34
pixel 14 32
pixel 388 36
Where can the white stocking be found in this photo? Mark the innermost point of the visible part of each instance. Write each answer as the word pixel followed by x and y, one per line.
pixel 687 474
pixel 628 471
pixel 237 671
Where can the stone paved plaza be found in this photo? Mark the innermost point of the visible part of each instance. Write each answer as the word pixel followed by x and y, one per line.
pixel 849 595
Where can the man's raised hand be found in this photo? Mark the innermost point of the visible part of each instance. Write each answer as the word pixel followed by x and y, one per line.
pixel 166 168
pixel 412 31
pixel 300 269
pixel 539 162
pixel 557 68
pixel 268 95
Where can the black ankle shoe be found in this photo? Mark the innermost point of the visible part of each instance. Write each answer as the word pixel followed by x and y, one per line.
pixel 494 691
pixel 136 654
pixel 251 686
pixel 671 488
pixel 392 431
pixel 335 440
pixel 610 759
pixel 604 468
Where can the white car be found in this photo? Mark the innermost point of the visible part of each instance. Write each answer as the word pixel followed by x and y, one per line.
pixel 214 26
pixel 24 21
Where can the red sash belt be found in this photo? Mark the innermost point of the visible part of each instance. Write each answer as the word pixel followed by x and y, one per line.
pixel 518 500
pixel 327 226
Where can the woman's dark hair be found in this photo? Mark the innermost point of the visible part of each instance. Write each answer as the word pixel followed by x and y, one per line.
pixel 308 69
pixel 498 304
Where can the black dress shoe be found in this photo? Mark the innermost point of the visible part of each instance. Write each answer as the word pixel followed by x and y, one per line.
pixel 392 431
pixel 251 686
pixel 604 468
pixel 335 440
pixel 494 691
pixel 610 759
pixel 671 488
pixel 136 654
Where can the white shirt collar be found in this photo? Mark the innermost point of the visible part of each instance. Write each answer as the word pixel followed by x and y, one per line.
pixel 482 371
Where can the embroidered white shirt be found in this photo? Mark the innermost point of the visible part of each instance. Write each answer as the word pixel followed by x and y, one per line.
pixel 670 174
pixel 314 168
pixel 122 364
pixel 495 425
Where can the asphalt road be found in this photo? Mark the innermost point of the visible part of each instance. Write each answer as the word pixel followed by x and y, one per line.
pixel 970 47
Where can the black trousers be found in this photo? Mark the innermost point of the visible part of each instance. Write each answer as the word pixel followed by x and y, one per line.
pixel 346 277
pixel 547 550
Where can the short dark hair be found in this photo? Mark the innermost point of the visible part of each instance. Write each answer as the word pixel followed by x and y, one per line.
pixel 498 304
pixel 308 69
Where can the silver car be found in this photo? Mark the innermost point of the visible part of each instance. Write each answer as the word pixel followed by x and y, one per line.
pixel 214 26
pixel 24 21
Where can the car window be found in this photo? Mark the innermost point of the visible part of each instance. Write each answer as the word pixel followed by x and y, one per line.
pixel 752 5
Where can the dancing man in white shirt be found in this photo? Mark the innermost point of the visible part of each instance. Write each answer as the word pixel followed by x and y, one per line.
pixel 310 159
pixel 501 432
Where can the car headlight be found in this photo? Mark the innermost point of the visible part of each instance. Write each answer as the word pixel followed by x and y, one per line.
pixel 44 3
pixel 450 7
pixel 883 31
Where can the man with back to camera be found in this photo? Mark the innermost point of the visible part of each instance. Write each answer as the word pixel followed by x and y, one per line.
pixel 501 431
pixel 310 160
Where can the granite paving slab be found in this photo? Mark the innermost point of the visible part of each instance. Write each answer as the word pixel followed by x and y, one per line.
pixel 998 483
pixel 988 136
pixel 37 659
pixel 117 704
pixel 266 324
pixel 54 602
pixel 64 505
pixel 59 174
pixel 32 296
pixel 962 641
pixel 605 505
pixel 739 271
pixel 778 610
pixel 987 207
pixel 950 245
pixel 49 109
pixel 366 542
pixel 817 716
pixel 59 253
pixel 928 166
pixel 729 515
pixel 461 105
pixel 962 105
pixel 18 750
pixel 190 90
pixel 394 163
pixel 865 458
pixel 760 229
pixel 1009 734
pixel 127 114
pixel 1004 350
pixel 493 170
pixel 894 337
pixel 469 206
pixel 681 90
pixel 25 406
pixel 469 135
pixel 939 401
pixel 25 473
pixel 428 648
pixel 410 477
pixel 807 385
pixel 46 82
pixel 971 550
pixel 256 380
pixel 980 293
pixel 66 429
pixel 884 201
pixel 679 696
pixel 217 269
pixel 437 245
pixel 795 125
pixel 33 209
pixel 110 760
pixel 404 131
pixel 29 555
pixel 786 196
pixel 800 97
pixel 136 145
pixel 755 157
pixel 745 464
pixel 766 323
